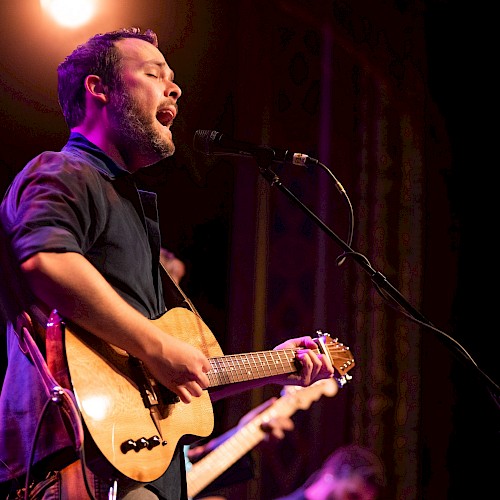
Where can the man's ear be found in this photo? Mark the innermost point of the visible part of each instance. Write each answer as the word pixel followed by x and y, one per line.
pixel 94 85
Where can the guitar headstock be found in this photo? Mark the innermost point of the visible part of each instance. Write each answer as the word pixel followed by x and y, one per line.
pixel 303 397
pixel 340 355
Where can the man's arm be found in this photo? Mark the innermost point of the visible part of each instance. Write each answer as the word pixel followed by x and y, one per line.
pixel 69 283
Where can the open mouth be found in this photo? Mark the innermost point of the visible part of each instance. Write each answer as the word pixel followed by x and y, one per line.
pixel 165 117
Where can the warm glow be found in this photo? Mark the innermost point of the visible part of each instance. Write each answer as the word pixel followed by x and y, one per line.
pixel 96 407
pixel 70 13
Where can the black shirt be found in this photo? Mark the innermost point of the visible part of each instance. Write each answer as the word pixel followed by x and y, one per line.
pixel 76 200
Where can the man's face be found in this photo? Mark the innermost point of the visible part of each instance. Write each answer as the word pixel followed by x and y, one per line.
pixel 144 103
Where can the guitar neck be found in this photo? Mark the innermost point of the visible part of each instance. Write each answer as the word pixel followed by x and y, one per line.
pixel 251 366
pixel 211 466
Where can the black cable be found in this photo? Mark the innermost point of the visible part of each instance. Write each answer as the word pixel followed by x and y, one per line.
pixel 341 258
pixel 493 389
pixel 56 400
pixel 33 448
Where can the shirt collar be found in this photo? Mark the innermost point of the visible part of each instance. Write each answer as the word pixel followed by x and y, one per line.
pixel 81 146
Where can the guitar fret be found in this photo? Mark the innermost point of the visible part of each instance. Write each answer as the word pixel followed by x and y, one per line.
pixel 243 367
pixel 251 366
pixel 281 360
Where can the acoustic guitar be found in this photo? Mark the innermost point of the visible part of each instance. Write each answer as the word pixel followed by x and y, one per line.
pixel 135 422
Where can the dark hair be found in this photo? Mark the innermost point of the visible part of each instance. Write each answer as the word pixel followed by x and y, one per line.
pixel 353 460
pixel 97 56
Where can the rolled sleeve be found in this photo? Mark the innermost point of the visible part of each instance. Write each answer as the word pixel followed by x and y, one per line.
pixel 45 215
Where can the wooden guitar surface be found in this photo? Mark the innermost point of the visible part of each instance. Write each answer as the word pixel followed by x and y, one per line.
pixel 134 421
pixel 112 406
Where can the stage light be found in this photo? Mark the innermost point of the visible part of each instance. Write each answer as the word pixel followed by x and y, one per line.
pixel 70 13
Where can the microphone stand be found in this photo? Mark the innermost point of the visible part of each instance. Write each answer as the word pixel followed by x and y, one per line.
pixel 264 159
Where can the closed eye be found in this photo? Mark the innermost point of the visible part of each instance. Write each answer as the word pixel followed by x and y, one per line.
pixel 151 74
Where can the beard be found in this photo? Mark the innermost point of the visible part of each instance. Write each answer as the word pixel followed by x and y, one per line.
pixel 135 128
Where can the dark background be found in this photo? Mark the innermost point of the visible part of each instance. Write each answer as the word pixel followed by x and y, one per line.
pixel 461 48
pixel 461 53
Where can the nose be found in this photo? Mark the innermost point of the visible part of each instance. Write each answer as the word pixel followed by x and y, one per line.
pixel 173 90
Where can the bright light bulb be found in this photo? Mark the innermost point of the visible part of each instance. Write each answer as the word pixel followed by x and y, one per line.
pixel 70 13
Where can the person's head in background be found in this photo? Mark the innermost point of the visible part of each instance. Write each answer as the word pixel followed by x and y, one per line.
pixel 351 472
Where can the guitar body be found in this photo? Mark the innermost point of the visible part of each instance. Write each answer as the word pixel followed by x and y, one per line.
pixel 113 410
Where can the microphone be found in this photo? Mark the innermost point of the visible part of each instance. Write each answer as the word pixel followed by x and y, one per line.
pixel 211 142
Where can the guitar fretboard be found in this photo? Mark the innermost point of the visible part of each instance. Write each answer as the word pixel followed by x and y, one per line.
pixel 251 366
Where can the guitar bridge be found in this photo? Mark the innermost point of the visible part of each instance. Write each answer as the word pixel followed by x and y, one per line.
pixel 150 400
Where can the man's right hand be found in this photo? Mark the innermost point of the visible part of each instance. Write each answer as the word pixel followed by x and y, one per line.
pixel 178 366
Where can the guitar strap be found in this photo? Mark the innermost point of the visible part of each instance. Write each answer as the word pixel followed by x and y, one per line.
pixel 173 295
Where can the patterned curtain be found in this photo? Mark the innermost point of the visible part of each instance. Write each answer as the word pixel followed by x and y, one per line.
pixel 349 91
